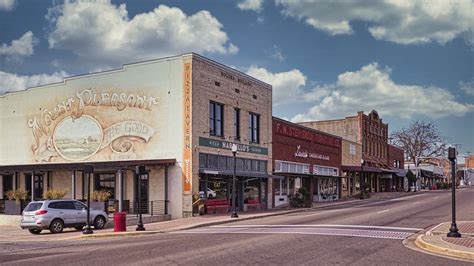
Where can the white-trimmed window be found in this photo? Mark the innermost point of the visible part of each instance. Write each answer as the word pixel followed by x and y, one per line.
pixel 290 167
pixel 325 170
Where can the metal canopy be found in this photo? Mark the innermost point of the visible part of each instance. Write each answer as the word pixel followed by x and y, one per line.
pixel 80 166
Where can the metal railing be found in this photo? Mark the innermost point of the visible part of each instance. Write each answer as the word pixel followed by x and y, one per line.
pixel 155 207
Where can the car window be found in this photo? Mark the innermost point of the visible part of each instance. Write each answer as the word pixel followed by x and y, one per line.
pixel 79 206
pixel 33 206
pixel 63 205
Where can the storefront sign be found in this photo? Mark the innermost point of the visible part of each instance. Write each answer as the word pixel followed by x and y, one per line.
pixel 305 154
pixel 187 162
pixel 228 146
pixel 308 135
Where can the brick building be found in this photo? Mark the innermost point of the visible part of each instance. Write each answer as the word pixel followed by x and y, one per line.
pixel 396 159
pixel 372 134
pixel 306 158
pixel 178 116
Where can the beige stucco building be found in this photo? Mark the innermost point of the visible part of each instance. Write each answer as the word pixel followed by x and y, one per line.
pixel 160 113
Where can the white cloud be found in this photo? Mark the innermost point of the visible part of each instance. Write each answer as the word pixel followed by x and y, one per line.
pixel 467 87
pixel 372 88
pixel 7 5
pixel 276 53
pixel 13 82
pixel 287 86
pixel 99 31
pixel 253 5
pixel 403 22
pixel 19 48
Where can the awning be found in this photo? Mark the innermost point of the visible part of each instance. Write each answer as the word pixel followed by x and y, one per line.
pixel 358 169
pixel 238 173
pixel 40 167
pixel 386 176
pixel 400 174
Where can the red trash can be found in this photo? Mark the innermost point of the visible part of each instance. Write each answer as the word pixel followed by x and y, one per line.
pixel 120 222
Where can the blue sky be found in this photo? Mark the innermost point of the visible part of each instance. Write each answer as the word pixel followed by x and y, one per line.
pixel 409 60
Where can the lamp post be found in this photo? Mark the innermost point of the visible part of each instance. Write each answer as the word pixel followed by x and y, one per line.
pixel 139 171
pixel 453 231
pixel 234 208
pixel 88 169
pixel 362 179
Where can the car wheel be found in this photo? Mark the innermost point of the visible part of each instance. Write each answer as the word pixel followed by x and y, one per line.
pixel 35 231
pixel 78 227
pixel 56 226
pixel 99 222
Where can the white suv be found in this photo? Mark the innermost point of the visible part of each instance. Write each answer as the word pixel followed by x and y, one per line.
pixel 55 215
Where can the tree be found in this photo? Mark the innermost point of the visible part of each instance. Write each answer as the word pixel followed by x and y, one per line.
pixel 420 139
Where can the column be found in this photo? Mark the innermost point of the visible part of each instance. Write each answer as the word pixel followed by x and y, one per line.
pixel 32 186
pixel 166 189
pixel 120 190
pixel 73 184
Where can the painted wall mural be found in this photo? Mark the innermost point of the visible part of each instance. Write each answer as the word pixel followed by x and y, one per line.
pixel 69 132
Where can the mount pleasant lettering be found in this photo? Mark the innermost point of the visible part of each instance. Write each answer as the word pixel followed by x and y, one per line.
pixel 41 124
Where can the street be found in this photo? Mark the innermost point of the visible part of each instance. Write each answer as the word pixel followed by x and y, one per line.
pixel 358 233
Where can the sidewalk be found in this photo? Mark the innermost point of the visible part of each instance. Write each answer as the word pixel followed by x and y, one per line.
pixel 436 241
pixel 14 233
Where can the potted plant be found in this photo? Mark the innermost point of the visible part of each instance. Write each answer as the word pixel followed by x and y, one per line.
pixel 99 197
pixel 13 204
pixel 55 194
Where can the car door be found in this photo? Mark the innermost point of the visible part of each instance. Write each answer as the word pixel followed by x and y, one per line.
pixel 69 212
pixel 81 212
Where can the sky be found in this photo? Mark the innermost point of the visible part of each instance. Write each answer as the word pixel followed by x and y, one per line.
pixel 409 60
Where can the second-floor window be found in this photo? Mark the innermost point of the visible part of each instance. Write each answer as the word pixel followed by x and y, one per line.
pixel 216 119
pixel 237 123
pixel 254 127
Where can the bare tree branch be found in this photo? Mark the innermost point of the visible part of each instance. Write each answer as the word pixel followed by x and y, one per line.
pixel 420 139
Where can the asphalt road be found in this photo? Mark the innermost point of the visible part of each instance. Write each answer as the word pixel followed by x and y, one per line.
pixel 362 233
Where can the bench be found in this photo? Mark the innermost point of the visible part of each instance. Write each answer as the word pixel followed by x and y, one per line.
pixel 252 204
pixel 217 206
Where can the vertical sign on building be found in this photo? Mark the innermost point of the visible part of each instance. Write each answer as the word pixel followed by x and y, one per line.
pixel 187 162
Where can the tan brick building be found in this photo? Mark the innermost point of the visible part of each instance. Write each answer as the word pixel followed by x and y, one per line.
pixel 177 116
pixel 372 134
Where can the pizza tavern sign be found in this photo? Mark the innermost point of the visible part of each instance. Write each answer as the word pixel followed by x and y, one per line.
pixel 306 154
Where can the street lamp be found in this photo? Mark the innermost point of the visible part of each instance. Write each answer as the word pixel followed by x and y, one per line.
pixel 139 171
pixel 88 169
pixel 362 179
pixel 453 231
pixel 234 209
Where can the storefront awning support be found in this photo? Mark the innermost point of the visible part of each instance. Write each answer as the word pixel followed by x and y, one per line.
pixel 166 189
pixel 32 186
pixel 120 192
pixel 73 185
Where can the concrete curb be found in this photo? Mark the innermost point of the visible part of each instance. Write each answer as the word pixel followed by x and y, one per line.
pixel 465 255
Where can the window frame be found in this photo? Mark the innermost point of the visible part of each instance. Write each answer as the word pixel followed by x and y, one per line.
pixel 236 124
pixel 254 127
pixel 214 121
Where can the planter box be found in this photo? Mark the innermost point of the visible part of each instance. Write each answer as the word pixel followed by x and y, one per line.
pixel 98 205
pixel 12 207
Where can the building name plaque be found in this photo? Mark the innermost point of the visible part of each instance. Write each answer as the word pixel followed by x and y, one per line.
pixel 228 146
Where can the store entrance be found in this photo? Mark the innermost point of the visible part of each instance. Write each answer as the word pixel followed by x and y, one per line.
pixel 7 184
pixel 38 186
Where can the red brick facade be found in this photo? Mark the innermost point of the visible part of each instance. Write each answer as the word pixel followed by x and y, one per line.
pixel 295 143
pixel 374 139
pixel 395 154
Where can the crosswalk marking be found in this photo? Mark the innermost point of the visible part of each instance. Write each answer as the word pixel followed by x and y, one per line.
pixel 330 230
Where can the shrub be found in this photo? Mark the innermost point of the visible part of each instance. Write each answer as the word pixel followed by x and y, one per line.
pixel 101 195
pixel 300 199
pixel 17 195
pixel 55 194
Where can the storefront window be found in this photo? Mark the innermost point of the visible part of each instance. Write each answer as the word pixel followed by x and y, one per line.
pixel 216 188
pixel 251 190
pixel 106 181
pixel 284 186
